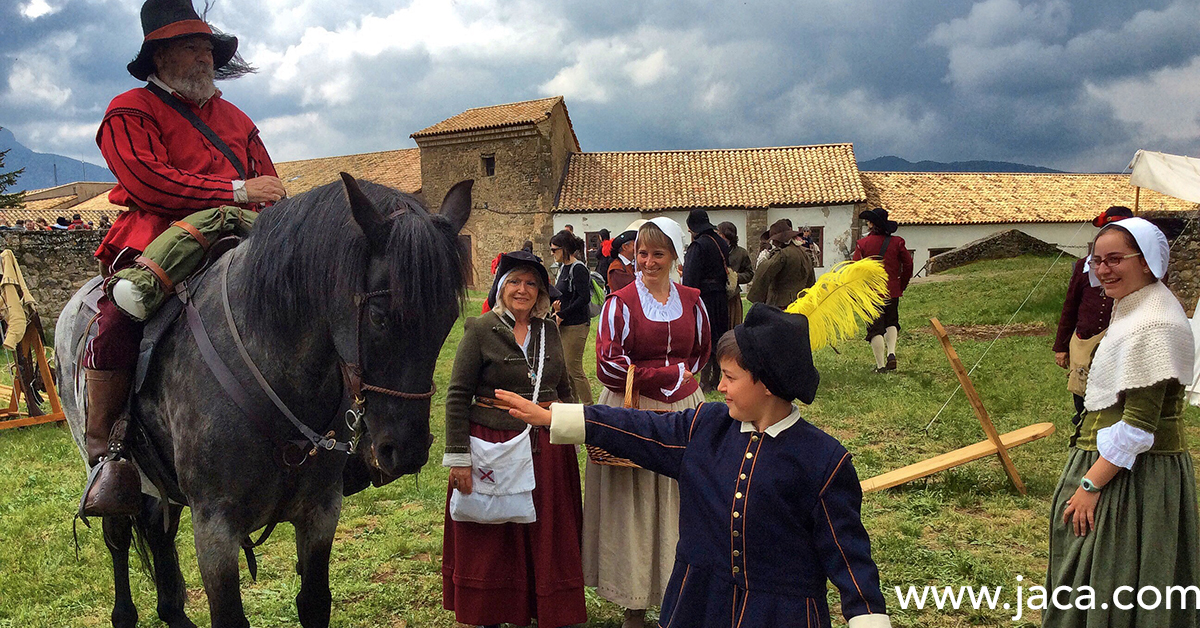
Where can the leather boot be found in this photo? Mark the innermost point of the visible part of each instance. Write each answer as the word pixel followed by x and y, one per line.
pixel 114 485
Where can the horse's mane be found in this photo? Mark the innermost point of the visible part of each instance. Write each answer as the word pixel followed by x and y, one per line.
pixel 307 249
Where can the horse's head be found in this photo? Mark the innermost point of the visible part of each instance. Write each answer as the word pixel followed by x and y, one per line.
pixel 408 299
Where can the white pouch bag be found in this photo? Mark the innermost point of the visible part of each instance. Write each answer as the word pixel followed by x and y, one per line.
pixel 503 483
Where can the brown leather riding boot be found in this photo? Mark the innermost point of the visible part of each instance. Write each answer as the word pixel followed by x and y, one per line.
pixel 114 485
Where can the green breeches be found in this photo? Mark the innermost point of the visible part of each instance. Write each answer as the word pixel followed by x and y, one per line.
pixel 177 252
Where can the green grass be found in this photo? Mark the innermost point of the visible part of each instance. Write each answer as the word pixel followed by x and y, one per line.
pixel 965 526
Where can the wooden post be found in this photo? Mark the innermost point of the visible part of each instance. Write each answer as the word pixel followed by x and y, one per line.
pixel 977 404
pixel 1137 197
pixel 56 411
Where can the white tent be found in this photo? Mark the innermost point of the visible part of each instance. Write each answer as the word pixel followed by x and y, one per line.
pixel 1178 176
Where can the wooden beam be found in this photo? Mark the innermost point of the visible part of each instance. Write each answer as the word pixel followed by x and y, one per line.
pixel 977 404
pixel 956 458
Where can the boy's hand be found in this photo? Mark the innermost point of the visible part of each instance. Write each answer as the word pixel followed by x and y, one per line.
pixel 524 409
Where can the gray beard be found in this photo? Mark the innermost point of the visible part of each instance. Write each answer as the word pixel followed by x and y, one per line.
pixel 197 85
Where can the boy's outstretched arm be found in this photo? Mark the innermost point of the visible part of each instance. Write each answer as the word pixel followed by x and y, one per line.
pixel 654 441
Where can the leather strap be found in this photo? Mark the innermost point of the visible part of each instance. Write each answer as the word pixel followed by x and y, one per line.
pixel 324 442
pixel 194 232
pixel 185 111
pixel 158 271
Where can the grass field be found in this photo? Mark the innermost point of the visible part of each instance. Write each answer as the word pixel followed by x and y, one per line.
pixel 966 526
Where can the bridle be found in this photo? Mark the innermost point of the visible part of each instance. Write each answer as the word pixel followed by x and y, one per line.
pixel 353 380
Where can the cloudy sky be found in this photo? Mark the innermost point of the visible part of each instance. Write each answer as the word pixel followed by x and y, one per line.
pixel 1075 85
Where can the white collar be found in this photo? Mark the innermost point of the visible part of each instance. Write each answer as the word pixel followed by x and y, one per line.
pixel 777 428
pixel 652 309
pixel 627 262
pixel 153 78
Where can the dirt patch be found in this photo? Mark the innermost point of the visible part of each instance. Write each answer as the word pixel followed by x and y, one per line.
pixel 938 278
pixel 988 332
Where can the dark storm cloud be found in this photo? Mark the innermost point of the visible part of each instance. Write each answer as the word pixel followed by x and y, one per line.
pixel 1038 81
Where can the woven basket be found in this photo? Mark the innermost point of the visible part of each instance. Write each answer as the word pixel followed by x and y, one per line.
pixel 598 455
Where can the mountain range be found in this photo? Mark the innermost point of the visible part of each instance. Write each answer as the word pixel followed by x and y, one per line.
pixel 891 163
pixel 41 168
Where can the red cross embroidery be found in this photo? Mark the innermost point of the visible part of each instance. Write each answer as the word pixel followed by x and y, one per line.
pixel 487 475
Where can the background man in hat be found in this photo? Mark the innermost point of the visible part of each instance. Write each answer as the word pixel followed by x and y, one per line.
pixel 1086 313
pixel 785 272
pixel 705 268
pixel 882 244
pixel 167 167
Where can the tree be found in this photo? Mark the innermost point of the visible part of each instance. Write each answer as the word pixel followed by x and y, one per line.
pixel 7 180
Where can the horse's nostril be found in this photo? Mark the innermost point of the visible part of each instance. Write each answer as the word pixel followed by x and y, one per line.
pixel 386 452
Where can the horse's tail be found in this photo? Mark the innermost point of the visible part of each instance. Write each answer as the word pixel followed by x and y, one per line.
pixel 140 532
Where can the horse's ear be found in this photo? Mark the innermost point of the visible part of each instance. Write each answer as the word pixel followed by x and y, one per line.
pixel 368 218
pixel 456 207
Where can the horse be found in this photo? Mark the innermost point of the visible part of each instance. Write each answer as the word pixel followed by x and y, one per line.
pixel 342 296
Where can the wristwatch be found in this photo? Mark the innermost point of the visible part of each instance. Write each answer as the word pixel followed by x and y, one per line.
pixel 1088 486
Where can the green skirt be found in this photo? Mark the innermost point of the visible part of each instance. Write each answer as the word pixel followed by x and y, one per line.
pixel 1145 536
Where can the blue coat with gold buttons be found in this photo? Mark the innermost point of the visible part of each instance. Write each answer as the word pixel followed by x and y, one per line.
pixel 764 520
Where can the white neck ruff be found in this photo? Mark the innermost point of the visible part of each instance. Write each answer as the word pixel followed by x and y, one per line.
pixel 1148 341
pixel 655 311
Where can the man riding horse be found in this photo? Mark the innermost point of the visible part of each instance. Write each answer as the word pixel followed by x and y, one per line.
pixel 176 147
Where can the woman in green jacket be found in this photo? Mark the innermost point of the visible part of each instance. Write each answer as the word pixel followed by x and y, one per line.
pixel 1123 522
pixel 494 573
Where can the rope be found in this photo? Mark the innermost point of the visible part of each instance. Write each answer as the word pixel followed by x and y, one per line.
pixel 1061 252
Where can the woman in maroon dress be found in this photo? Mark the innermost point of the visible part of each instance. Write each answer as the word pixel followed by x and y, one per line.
pixel 631 516
pixel 495 573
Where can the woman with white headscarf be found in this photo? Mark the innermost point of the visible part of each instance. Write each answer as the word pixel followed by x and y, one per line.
pixel 1124 513
pixel 631 515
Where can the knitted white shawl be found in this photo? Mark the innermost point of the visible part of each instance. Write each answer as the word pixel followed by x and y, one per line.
pixel 1148 341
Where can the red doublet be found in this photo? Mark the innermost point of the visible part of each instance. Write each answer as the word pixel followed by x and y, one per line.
pixel 166 169
pixel 657 349
pixel 897 262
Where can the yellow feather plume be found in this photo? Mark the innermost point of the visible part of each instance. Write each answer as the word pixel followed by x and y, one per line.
pixel 846 293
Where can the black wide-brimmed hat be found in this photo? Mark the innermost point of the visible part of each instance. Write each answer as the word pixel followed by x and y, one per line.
pixel 621 239
pixel 1112 214
pixel 698 221
pixel 525 259
pixel 775 349
pixel 879 218
pixel 165 20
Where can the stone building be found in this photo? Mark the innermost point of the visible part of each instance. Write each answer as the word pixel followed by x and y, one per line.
pixel 517 154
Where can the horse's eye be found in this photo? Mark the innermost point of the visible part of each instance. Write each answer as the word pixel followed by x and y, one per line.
pixel 378 320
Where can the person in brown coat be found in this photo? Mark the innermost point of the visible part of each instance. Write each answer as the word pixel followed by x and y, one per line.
pixel 494 573
pixel 788 270
pixel 620 270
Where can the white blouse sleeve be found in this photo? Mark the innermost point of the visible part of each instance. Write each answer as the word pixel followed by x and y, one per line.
pixel 1121 443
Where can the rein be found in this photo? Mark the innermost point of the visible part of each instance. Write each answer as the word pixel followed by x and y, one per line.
pixel 352 378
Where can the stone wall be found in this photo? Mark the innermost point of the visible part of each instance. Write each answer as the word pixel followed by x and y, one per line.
pixel 55 265
pixel 1183 275
pixel 513 204
pixel 1010 243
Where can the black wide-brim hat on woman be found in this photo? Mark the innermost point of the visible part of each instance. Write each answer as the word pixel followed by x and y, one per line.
pixel 698 221
pixel 879 218
pixel 165 20
pixel 523 259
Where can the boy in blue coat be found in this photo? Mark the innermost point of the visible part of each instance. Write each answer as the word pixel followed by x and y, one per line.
pixel 769 504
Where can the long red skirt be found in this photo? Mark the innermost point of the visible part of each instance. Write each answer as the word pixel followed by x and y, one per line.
pixel 515 572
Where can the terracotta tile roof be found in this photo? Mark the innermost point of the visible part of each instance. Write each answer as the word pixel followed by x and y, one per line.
pixel 750 177
pixel 961 198
pixel 495 116
pixel 400 169
pixel 52 208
